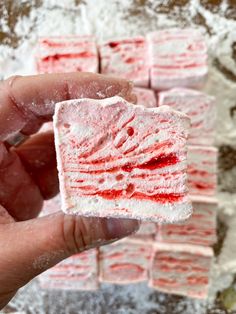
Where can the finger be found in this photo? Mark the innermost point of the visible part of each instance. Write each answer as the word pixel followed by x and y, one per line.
pixel 39 159
pixel 18 192
pixel 25 102
pixel 46 241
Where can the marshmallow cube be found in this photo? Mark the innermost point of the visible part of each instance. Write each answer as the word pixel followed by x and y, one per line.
pixel 78 272
pixel 126 58
pixel 202 170
pixel 199 229
pixel 120 160
pixel 181 269
pixel 178 58
pixel 126 261
pixel 199 107
pixel 67 54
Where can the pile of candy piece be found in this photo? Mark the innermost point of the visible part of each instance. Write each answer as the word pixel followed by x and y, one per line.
pixel 168 67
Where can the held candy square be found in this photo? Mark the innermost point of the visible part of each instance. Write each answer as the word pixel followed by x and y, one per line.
pixel 178 58
pixel 67 54
pixel 78 272
pixel 199 229
pixel 145 97
pixel 116 159
pixel 202 170
pixel 126 261
pixel 126 58
pixel 199 107
pixel 181 269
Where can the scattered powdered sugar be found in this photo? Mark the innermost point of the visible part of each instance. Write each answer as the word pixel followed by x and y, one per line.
pixel 110 19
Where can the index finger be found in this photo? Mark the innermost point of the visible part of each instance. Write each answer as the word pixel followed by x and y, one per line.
pixel 27 102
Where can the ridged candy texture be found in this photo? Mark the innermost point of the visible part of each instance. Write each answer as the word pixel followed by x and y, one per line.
pixel 120 160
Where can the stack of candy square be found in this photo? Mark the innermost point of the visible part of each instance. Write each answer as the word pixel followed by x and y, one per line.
pixel 172 61
pixel 183 253
pixel 78 272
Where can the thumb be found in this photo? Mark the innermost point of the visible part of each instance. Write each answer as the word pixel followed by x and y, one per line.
pixel 30 247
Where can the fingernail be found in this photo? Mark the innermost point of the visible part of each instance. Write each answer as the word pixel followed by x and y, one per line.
pixel 120 228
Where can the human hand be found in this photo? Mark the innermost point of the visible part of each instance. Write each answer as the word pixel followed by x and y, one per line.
pixel 28 175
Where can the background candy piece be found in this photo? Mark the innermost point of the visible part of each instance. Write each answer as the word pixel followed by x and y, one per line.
pixel 67 54
pixel 147 230
pixel 120 160
pixel 199 107
pixel 145 97
pixel 199 229
pixel 181 269
pixel 126 261
pixel 78 272
pixel 178 57
pixel 127 58
pixel 202 170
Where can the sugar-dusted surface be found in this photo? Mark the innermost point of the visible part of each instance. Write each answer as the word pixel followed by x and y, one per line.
pixel 126 261
pixel 145 97
pixel 120 160
pixel 199 229
pixel 202 170
pixel 178 58
pixel 127 58
pixel 78 272
pixel 199 107
pixel 67 54
pixel 181 269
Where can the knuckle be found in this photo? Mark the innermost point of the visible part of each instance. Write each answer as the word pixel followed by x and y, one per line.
pixel 74 234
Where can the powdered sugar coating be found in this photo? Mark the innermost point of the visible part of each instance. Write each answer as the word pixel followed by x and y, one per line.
pixel 120 160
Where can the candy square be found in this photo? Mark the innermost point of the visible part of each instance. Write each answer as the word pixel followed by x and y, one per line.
pixel 202 170
pixel 178 58
pixel 199 107
pixel 199 229
pixel 116 159
pixel 67 54
pixel 126 58
pixel 126 261
pixel 78 272
pixel 181 269
pixel 145 97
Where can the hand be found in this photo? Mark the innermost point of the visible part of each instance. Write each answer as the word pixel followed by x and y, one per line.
pixel 28 176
